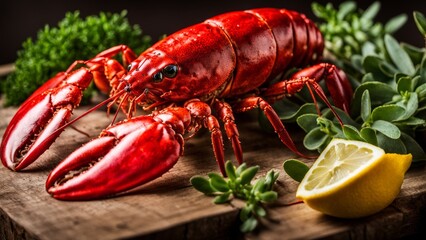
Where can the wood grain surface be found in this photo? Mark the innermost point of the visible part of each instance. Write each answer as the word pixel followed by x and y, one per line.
pixel 169 208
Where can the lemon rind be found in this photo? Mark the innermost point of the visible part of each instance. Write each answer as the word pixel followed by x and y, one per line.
pixel 302 193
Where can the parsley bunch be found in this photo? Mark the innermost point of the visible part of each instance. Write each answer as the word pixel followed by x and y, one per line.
pixel 57 47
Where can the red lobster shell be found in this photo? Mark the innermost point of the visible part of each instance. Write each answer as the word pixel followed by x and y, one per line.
pixel 221 65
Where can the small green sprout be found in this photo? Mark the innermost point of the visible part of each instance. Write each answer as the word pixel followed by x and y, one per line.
pixel 240 184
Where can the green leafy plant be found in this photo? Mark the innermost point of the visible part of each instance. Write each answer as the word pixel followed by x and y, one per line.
pixel 389 100
pixel 57 47
pixel 239 185
pixel 295 169
pixel 350 30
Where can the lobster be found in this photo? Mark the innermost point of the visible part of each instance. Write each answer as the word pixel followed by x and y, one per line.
pixel 192 79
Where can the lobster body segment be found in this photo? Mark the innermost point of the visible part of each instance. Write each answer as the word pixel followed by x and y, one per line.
pixel 192 79
pixel 255 49
pixel 231 54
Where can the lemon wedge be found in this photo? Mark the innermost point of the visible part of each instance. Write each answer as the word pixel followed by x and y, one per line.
pixel 352 179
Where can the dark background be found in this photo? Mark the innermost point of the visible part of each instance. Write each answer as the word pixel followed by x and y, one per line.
pixel 20 19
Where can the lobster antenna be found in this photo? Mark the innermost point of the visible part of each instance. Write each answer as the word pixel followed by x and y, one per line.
pixel 97 106
pixel 119 107
pixel 321 94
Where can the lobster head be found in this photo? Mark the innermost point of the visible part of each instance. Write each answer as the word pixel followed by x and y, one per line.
pixel 154 75
pixel 180 67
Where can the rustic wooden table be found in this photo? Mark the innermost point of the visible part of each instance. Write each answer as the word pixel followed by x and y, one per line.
pixel 169 208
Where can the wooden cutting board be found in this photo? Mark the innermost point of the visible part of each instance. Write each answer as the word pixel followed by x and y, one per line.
pixel 169 208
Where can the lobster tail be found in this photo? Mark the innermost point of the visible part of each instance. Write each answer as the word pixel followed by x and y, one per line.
pixel 265 42
pixel 298 40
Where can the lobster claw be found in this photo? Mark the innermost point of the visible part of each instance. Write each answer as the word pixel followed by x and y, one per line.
pixel 24 141
pixel 33 128
pixel 125 156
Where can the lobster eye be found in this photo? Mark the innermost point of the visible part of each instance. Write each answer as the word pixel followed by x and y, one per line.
pixel 129 67
pixel 158 77
pixel 170 71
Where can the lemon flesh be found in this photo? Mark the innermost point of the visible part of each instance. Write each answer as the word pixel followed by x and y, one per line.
pixel 352 179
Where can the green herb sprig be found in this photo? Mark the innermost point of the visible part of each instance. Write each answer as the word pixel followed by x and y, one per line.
pixel 389 101
pixel 348 30
pixel 239 185
pixel 55 48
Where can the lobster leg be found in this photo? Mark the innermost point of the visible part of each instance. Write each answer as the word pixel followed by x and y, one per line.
pixel 225 113
pixel 254 102
pixel 336 82
pixel 217 142
pixel 200 110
